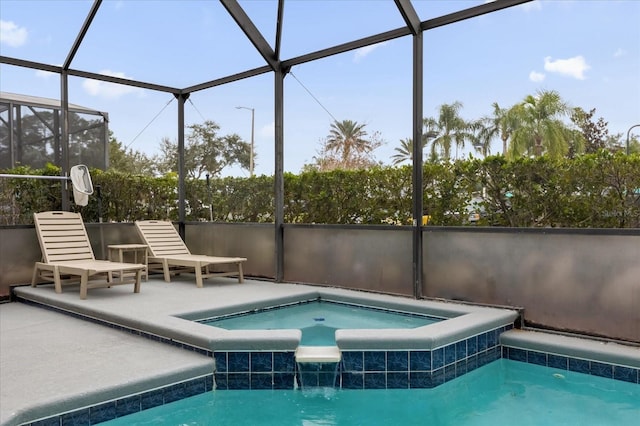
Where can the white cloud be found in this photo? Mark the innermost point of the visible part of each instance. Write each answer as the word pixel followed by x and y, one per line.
pixel 108 90
pixel 573 67
pixel 536 76
pixel 12 35
pixel 365 51
pixel 619 52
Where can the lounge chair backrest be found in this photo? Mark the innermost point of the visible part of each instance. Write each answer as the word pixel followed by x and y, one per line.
pixel 62 237
pixel 161 237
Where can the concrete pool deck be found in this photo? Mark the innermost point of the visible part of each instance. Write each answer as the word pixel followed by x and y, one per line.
pixel 51 362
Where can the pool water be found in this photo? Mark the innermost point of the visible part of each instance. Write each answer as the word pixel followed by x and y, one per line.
pixel 503 392
pixel 318 320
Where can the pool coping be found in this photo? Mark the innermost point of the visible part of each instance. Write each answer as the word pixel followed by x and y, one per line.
pixel 572 347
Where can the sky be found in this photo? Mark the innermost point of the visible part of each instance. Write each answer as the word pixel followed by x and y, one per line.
pixel 586 50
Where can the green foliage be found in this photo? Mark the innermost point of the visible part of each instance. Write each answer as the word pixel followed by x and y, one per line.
pixel 600 190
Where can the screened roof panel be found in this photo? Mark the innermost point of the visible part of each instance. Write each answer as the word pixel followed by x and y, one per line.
pixel 179 43
pixel 309 26
pixel 42 31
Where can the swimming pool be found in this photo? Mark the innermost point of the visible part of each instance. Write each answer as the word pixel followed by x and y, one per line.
pixel 502 392
pixel 318 320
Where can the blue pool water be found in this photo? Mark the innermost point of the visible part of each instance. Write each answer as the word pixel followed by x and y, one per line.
pixel 319 320
pixel 500 393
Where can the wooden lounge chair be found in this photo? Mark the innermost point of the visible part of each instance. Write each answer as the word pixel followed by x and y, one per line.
pixel 167 248
pixel 66 251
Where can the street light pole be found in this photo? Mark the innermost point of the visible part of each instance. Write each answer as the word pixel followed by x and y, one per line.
pixel 252 133
pixel 628 133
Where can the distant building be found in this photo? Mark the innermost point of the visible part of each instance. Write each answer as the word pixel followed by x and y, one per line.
pixel 31 133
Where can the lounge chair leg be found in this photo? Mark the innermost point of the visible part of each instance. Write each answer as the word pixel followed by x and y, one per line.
pixel 84 279
pixel 34 276
pixel 56 280
pixel 165 269
pixel 199 275
pixel 136 287
pixel 240 274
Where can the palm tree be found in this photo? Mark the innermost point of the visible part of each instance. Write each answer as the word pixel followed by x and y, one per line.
pixel 452 129
pixel 541 129
pixel 405 151
pixel 501 124
pixel 347 138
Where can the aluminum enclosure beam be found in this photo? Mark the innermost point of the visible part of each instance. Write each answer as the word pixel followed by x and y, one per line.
pixel 82 33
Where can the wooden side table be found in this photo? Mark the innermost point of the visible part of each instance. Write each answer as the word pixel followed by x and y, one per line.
pixel 117 251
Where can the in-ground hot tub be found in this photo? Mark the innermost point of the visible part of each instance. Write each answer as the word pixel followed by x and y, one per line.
pixel 463 338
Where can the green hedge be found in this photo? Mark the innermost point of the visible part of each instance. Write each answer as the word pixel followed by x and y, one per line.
pixel 599 190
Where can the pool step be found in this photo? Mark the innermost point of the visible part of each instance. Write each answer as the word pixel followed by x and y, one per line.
pixel 318 354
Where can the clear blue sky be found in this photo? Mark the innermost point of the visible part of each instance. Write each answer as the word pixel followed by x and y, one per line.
pixel 587 50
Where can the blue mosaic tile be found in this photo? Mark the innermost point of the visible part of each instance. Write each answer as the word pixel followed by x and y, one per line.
pixel 482 342
pixel 461 368
pixel 375 361
pixel 494 353
pixel 420 360
pixel 482 358
pixel 626 374
pixel 558 361
pixel 579 365
pixel 492 338
pixel 221 381
pixel 472 345
pixel 309 379
pixel 352 380
pixel 102 413
pixel 51 421
pixel 151 399
pixel 76 418
pixel 283 380
pixel 472 363
pixel 437 377
pixel 449 354
pixel 284 361
pixel 195 387
pixel 539 358
pixel 326 379
pixel 353 361
pixel 398 380
pixel 461 350
pixel 437 358
pixel 208 383
pixel 261 381
pixel 261 361
pixel 420 380
pixel 236 381
pixel 375 381
pixel 328 367
pixel 398 361
pixel 221 361
pixel 237 362
pixel 602 369
pixel 517 354
pixel 127 405
pixel 174 393
pixel 449 372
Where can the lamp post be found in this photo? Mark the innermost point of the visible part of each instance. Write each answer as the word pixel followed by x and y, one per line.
pixel 252 131
pixel 628 133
